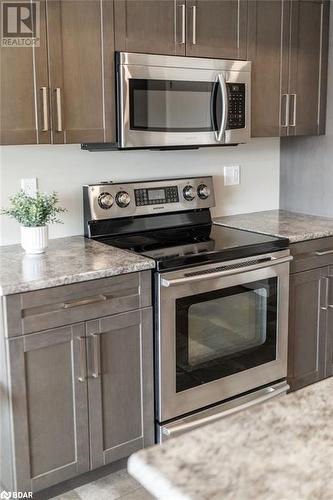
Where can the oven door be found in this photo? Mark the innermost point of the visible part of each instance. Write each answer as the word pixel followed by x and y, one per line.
pixel 170 106
pixel 222 331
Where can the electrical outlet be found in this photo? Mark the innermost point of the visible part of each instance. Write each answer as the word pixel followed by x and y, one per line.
pixel 232 175
pixel 29 186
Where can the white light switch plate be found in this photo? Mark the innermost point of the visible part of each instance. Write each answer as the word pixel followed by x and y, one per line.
pixel 29 186
pixel 232 175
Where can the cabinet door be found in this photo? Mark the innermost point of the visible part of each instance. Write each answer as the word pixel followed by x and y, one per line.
pixel 268 49
pixel 49 398
pixel 24 110
pixel 308 63
pixel 307 327
pixel 81 59
pixel 120 387
pixel 329 341
pixel 216 28
pixel 152 27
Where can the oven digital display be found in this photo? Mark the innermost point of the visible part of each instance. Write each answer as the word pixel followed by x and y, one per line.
pixel 156 194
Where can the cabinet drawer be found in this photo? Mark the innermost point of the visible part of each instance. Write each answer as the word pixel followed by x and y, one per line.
pixel 44 309
pixel 311 254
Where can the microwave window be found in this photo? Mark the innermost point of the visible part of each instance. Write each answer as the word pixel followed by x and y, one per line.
pixel 171 106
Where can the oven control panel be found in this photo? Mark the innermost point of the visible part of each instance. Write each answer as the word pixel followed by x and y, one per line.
pixel 109 200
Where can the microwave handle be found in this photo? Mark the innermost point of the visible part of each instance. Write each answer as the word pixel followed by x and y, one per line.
pixel 224 111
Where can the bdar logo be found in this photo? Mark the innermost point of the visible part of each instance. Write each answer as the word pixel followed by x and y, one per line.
pixel 5 494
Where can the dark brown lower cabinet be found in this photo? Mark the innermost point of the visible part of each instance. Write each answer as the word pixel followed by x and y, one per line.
pixel 79 396
pixel 310 353
pixel 50 413
pixel 329 345
pixel 121 420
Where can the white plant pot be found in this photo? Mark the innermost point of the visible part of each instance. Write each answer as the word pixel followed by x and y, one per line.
pixel 34 240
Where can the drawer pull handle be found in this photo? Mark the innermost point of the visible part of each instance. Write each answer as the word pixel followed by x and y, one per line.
pixel 82 343
pixel 324 252
pixel 84 302
pixel 97 356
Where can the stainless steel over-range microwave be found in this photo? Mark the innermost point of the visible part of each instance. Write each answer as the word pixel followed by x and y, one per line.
pixel 173 101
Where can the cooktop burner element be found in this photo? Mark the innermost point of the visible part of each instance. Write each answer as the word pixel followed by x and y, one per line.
pixel 168 221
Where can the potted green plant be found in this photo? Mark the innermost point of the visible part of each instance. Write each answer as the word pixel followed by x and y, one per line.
pixel 34 213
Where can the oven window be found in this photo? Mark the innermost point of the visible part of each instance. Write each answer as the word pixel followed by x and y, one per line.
pixel 224 332
pixel 172 106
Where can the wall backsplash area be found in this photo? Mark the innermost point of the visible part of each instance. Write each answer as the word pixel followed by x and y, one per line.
pixel 66 168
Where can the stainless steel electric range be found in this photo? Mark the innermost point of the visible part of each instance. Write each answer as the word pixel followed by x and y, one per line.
pixel 220 297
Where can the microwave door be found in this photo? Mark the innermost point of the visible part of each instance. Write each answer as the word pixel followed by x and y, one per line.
pixel 220 108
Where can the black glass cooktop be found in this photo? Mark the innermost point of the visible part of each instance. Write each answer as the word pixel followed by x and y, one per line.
pixel 187 246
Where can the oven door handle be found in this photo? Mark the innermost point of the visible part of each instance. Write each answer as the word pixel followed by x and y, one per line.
pixel 220 274
pixel 175 430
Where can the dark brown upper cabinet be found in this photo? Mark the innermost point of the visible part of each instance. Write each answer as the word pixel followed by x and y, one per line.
pixel 62 91
pixel 153 27
pixel 308 66
pixel 24 104
pixel 201 28
pixel 216 28
pixel 81 64
pixel 288 46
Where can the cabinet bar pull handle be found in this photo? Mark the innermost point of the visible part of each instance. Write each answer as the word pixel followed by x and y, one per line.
pixel 84 302
pixel 194 24
pixel 58 106
pixel 97 356
pixel 45 108
pixel 286 122
pixel 293 124
pixel 324 252
pixel 325 284
pixel 183 7
pixel 83 375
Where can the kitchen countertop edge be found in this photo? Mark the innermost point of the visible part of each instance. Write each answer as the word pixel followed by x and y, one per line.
pixel 154 480
pixel 280 223
pixel 126 262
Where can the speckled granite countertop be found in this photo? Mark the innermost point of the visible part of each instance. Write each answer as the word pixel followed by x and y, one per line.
pixel 292 225
pixel 279 450
pixel 67 260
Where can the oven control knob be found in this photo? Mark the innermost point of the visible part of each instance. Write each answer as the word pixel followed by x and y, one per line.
pixel 189 193
pixel 105 200
pixel 123 199
pixel 203 191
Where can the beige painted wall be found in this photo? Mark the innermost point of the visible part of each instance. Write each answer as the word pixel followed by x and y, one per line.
pixel 66 168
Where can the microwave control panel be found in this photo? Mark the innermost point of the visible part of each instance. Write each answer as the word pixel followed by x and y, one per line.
pixel 236 109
